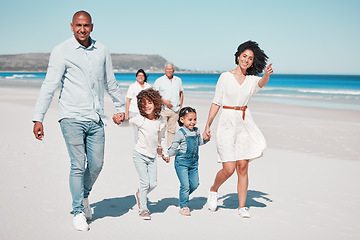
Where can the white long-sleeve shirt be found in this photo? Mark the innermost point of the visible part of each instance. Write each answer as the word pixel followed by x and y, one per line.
pixel 150 132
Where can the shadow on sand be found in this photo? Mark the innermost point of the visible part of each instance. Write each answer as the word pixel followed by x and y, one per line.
pixel 116 207
pixel 113 207
pixel 231 200
pixel 195 203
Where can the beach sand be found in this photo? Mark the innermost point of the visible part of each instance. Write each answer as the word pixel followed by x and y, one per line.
pixel 306 186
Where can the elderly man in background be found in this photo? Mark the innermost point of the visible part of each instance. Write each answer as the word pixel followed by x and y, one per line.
pixel 171 91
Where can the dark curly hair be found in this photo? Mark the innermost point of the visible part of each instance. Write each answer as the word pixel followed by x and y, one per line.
pixel 152 95
pixel 260 57
pixel 183 112
pixel 143 72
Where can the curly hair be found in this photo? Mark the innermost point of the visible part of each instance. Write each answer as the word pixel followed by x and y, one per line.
pixel 260 57
pixel 151 95
pixel 183 112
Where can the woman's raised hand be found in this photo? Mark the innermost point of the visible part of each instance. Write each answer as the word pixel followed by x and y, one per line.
pixel 268 70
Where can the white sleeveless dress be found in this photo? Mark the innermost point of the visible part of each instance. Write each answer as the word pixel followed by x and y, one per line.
pixel 237 139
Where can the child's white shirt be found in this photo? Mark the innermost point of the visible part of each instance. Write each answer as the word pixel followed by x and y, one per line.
pixel 150 132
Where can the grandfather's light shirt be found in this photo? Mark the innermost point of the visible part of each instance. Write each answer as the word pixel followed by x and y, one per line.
pixel 170 90
pixel 84 74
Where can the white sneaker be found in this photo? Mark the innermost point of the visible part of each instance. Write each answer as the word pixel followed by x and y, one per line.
pixel 79 222
pixel 244 212
pixel 87 210
pixel 212 201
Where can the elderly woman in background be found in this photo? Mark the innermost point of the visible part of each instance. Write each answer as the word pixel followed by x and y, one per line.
pixel 131 107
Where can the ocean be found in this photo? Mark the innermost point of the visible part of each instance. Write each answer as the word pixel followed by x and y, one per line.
pixel 325 91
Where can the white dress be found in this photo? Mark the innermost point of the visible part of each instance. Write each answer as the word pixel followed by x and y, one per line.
pixel 237 139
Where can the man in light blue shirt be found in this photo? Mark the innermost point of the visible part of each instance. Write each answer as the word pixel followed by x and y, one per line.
pixel 171 91
pixel 83 69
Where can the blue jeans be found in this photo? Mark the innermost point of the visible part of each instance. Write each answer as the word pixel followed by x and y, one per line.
pixel 147 170
pixel 187 172
pixel 85 141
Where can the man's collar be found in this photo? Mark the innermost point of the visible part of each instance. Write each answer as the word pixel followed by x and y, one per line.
pixel 78 45
pixel 168 77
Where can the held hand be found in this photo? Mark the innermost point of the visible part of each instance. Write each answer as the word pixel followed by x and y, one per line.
pixel 118 118
pixel 166 159
pixel 38 131
pixel 268 70
pixel 207 134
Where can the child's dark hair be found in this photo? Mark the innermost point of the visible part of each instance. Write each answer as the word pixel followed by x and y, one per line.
pixel 260 57
pixel 152 95
pixel 143 72
pixel 183 112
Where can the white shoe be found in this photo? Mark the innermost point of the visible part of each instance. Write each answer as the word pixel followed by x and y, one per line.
pixel 87 210
pixel 212 201
pixel 244 212
pixel 79 222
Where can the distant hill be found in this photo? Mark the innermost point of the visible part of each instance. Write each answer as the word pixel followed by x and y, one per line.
pixel 37 62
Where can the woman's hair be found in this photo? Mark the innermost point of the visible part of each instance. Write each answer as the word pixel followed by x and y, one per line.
pixel 260 57
pixel 151 95
pixel 183 112
pixel 142 71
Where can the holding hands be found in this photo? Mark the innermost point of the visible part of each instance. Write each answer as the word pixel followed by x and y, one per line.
pixel 166 159
pixel 118 118
pixel 207 134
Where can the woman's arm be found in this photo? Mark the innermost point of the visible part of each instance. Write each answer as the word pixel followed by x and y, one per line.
pixel 265 79
pixel 127 106
pixel 212 114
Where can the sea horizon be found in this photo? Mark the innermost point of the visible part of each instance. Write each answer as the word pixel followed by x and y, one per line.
pixel 314 90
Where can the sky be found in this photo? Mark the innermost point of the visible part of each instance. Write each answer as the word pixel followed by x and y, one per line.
pixel 300 37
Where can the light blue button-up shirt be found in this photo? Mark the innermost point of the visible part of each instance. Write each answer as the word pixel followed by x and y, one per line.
pixel 170 90
pixel 83 74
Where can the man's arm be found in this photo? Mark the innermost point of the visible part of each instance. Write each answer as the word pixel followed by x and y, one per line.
pixel 113 88
pixel 53 77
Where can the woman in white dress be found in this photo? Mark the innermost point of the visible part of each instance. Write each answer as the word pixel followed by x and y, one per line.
pixel 131 107
pixel 238 138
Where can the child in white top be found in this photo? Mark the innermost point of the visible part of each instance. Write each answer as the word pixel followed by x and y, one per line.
pixel 151 129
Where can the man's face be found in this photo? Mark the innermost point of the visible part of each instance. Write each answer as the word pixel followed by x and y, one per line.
pixel 82 27
pixel 169 71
